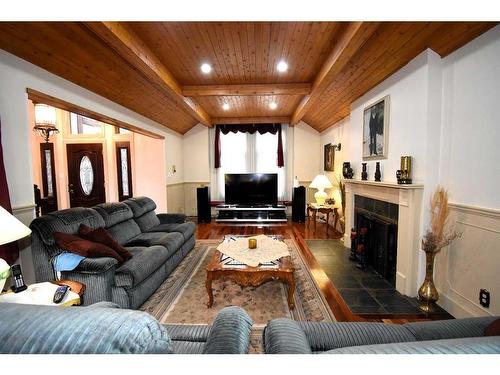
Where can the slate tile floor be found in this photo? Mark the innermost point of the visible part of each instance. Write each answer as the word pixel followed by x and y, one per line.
pixel 363 291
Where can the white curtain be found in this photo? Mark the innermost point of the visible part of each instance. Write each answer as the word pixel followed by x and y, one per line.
pixel 251 153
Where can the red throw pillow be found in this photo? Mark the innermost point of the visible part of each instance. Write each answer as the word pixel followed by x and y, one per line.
pixel 85 248
pixel 102 236
pixel 493 329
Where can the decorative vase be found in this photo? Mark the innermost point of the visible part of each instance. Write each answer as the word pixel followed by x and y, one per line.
pixel 378 175
pixel 428 293
pixel 364 173
pixel 345 166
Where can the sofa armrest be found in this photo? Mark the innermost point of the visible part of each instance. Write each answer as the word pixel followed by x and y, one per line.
pixel 285 336
pixel 230 333
pixel 98 276
pixel 171 218
pixel 96 265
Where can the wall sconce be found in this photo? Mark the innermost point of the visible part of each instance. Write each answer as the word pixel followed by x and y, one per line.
pixel 45 121
pixel 337 147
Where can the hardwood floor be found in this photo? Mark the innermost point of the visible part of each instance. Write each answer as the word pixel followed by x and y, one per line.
pixel 301 232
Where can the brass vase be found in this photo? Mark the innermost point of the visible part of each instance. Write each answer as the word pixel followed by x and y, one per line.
pixel 428 293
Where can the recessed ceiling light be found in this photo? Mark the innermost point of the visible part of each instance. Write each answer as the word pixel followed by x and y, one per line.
pixel 273 105
pixel 206 68
pixel 282 66
pixel 225 107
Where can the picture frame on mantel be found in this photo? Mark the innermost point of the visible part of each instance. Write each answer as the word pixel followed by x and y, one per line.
pixel 329 158
pixel 376 129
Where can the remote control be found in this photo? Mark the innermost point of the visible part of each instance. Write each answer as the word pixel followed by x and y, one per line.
pixel 60 293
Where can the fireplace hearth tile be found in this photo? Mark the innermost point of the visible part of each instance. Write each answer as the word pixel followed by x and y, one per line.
pixel 375 282
pixel 358 297
pixel 364 292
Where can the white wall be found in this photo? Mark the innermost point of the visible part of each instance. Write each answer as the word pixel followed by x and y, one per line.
pixel 174 158
pixel 196 157
pixel 407 90
pixel 15 76
pixel 469 167
pixel 306 159
pixel 339 133
pixel 471 112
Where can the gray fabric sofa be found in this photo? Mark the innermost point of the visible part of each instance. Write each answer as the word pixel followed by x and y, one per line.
pixel 102 329
pixel 285 336
pixel 158 244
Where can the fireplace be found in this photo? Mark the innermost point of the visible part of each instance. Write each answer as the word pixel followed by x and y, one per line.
pixel 378 221
pixel 384 196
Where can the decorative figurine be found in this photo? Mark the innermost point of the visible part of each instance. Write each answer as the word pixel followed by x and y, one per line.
pixel 378 175
pixel 347 171
pixel 403 175
pixel 364 173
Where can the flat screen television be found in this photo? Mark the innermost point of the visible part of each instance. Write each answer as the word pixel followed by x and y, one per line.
pixel 252 189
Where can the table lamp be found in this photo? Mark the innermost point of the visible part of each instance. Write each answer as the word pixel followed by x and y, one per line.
pixel 321 182
pixel 11 230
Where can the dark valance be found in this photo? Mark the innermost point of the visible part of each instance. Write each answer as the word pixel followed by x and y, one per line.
pixel 249 128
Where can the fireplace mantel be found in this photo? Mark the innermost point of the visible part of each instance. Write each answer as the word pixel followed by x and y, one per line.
pixel 409 201
pixel 384 184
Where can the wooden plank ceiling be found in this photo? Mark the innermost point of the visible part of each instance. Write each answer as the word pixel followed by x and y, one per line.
pixel 153 68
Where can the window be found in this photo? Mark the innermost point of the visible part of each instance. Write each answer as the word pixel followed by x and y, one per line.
pixel 119 130
pixel 48 170
pixel 84 125
pixel 250 153
pixel 123 170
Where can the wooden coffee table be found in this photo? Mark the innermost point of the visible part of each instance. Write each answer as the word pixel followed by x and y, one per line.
pixel 245 275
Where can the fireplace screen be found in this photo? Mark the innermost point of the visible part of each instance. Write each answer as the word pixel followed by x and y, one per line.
pixel 378 221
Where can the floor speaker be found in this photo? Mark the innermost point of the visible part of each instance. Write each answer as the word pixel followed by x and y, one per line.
pixel 203 203
pixel 299 204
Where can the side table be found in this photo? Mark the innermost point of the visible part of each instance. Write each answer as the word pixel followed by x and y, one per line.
pixel 42 294
pixel 325 209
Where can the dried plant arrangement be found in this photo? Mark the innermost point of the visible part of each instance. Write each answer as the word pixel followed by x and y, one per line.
pixel 436 237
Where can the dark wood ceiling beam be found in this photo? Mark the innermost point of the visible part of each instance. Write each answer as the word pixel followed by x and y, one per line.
pixel 248 89
pixel 251 120
pixel 129 46
pixel 352 39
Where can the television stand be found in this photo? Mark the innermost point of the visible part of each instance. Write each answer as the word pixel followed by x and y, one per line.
pixel 233 213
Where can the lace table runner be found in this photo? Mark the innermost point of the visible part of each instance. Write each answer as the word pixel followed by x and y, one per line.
pixel 266 251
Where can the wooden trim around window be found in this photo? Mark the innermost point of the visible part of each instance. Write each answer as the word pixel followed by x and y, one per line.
pixel 40 97
pixel 118 147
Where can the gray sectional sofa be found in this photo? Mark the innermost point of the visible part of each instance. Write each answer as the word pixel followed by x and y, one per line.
pixel 158 243
pixel 456 336
pixel 103 329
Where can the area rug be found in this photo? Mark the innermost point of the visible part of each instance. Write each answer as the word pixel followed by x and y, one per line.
pixel 182 298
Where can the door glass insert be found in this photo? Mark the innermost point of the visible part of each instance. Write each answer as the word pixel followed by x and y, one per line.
pixel 48 172
pixel 124 170
pixel 86 175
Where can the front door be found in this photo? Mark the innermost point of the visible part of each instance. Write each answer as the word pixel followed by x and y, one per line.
pixel 85 174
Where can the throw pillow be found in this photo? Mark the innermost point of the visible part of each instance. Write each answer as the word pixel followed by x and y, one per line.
pixel 101 235
pixel 85 248
pixel 493 329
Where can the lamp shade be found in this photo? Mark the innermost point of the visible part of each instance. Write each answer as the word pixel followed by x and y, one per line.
pixel 45 115
pixel 11 229
pixel 321 182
